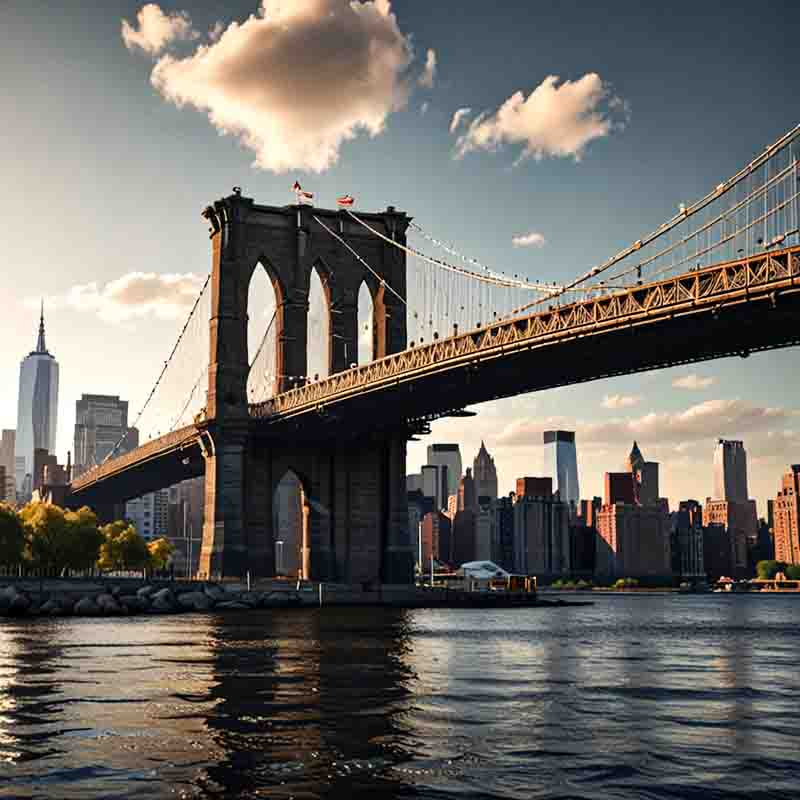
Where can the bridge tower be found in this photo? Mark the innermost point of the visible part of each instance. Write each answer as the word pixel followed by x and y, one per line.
pixel 354 498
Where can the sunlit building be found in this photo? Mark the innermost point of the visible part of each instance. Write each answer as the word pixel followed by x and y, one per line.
pixel 561 464
pixel 37 409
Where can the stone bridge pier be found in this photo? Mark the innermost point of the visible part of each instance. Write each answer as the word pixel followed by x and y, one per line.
pixel 354 512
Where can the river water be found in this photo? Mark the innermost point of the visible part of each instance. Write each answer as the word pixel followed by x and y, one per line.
pixel 655 696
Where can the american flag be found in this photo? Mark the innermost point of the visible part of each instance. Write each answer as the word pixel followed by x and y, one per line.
pixel 345 200
pixel 301 193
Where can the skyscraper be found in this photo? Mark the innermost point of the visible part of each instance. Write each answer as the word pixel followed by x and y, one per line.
pixel 37 408
pixel 787 517
pixel 485 474
pixel 447 455
pixel 730 471
pixel 561 464
pixel 8 489
pixel 100 423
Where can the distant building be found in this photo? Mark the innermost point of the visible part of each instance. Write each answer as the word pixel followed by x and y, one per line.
pixel 730 471
pixel 462 544
pixel 619 488
pixel 687 541
pixel 8 487
pixel 583 537
pixel 485 474
pixel 503 548
pixel 101 423
pixel 634 542
pixel 541 531
pixel 561 464
pixel 484 531
pixel 786 510
pixel 185 515
pixel 447 455
pixel 149 514
pixel 741 525
pixel 467 498
pixel 645 478
pixel 435 484
pixel 37 410
pixel 435 526
pixel 418 507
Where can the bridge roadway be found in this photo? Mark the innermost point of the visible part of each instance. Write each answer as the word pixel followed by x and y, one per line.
pixel 729 309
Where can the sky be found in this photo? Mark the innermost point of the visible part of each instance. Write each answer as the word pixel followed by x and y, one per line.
pixel 582 127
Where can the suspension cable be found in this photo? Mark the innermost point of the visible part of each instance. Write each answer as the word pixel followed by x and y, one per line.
pixel 361 260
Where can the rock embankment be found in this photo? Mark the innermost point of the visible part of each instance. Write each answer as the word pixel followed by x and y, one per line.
pixel 119 600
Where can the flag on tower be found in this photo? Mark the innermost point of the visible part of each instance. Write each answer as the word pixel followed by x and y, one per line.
pixel 345 200
pixel 302 195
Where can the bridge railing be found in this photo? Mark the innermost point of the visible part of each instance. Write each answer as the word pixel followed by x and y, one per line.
pixel 695 286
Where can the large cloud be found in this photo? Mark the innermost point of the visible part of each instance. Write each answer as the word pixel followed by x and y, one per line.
pixel 532 239
pixel 297 79
pixel 552 121
pixel 156 29
pixel 137 294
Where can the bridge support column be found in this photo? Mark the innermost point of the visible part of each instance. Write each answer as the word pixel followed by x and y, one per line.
pixel 398 554
pixel 224 548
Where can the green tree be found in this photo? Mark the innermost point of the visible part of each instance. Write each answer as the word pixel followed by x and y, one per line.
pixel 160 552
pixel 84 537
pixel 47 537
pixel 767 570
pixel 12 536
pixel 792 572
pixel 122 548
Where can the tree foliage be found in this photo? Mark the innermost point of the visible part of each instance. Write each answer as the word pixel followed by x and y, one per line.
pixel 12 536
pixel 792 572
pixel 766 570
pixel 122 548
pixel 47 537
pixel 161 551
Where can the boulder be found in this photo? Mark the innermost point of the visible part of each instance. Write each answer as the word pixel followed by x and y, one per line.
pixel 86 607
pixel 133 602
pixel 50 607
pixel 216 593
pixel 280 600
pixel 107 604
pixel 195 601
pixel 145 591
pixel 16 602
pixel 163 604
pixel 252 599
pixel 232 605
pixel 163 594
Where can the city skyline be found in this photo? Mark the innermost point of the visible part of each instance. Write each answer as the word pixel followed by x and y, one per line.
pixel 116 175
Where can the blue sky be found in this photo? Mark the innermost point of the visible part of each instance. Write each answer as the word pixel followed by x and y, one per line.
pixel 105 176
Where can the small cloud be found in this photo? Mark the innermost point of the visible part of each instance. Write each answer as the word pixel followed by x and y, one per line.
pixel 134 295
pixel 617 401
pixel 156 29
pixel 693 382
pixel 429 72
pixel 532 239
pixel 458 118
pixel 423 110
pixel 554 120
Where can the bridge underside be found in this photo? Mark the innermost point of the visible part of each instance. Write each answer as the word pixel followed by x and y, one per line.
pixel 657 342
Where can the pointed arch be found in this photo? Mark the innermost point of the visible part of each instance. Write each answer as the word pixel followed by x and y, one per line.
pixel 291 525
pixel 365 338
pixel 319 322
pixel 264 322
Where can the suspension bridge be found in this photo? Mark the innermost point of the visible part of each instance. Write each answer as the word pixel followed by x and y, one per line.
pixel 720 278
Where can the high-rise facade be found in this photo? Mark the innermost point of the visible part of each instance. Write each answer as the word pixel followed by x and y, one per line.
pixel 101 422
pixel 786 511
pixel 730 471
pixel 484 473
pixel 37 408
pixel 447 455
pixel 8 488
pixel 561 464
pixel 149 514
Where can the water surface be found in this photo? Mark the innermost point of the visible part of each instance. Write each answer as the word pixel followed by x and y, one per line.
pixel 635 697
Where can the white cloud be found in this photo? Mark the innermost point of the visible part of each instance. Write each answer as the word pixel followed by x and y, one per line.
pixel 532 239
pixel 297 79
pixel 423 109
pixel 156 29
pixel 429 72
pixel 693 382
pixel 557 121
pixel 458 118
pixel 616 401
pixel 135 295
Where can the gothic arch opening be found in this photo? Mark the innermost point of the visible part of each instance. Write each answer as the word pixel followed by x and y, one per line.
pixel 288 503
pixel 262 338
pixel 366 326
pixel 318 341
